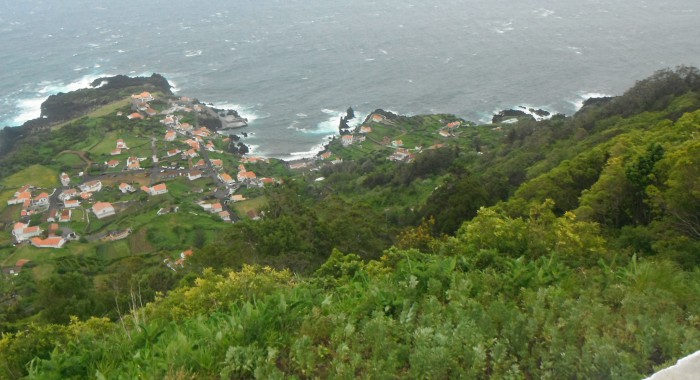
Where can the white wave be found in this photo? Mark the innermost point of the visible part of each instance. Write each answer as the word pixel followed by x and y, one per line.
pixel 329 127
pixel 526 108
pixel 302 115
pixel 581 97
pixel 247 112
pixel 193 53
pixel 543 13
pixel 369 59
pixel 254 149
pixel 173 86
pixel 28 109
pixel 293 156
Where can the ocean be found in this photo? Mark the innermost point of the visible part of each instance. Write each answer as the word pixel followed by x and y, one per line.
pixel 293 67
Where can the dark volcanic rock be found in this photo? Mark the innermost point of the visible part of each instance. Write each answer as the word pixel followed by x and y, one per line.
pixel 595 102
pixel 508 114
pixel 539 112
pixel 62 107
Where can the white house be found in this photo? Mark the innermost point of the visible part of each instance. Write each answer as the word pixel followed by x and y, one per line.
pixel 91 186
pixel 155 190
pixel 65 179
pixel 23 232
pixel 126 188
pixel 68 194
pixel 194 174
pixel 41 200
pixel 103 210
pixel 50 242
pixel 71 203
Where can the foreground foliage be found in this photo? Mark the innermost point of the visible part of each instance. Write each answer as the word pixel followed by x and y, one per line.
pixel 496 302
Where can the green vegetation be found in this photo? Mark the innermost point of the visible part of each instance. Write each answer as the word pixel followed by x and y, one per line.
pixel 36 175
pixel 566 248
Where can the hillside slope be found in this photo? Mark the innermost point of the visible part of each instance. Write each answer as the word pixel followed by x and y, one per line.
pixel 565 248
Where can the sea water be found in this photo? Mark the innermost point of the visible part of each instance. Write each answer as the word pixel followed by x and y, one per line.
pixel 292 67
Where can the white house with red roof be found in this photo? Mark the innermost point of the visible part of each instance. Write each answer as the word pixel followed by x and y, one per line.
pixel 227 179
pixel 121 144
pixel 91 186
pixel 126 188
pixel 103 210
pixel 133 163
pixel 23 232
pixel 112 164
pixel 20 198
pixel 41 200
pixel 217 163
pixel 135 115
pixel 194 174
pixel 454 124
pixel 225 216
pixel 245 176
pixel 71 203
pixel 158 189
pixel 377 118
pixel 68 194
pixel 347 140
pixel 142 98
pixel 49 242
pixel 173 152
pixel 170 136
pixel 194 144
pixel 170 121
pixel 65 216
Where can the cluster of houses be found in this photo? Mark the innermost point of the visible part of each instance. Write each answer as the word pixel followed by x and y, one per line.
pixel 400 154
pixel 184 255
pixel 140 103
pixel 132 162
pixel 23 232
pixel 449 129
pixel 31 204
pixel 62 211
pixel 216 208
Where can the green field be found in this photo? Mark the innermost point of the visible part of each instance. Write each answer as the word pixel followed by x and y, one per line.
pixel 109 143
pixel 70 160
pixel 242 208
pixel 37 175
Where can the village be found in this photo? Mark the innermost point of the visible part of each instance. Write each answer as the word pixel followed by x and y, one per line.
pixel 46 216
pixel 174 149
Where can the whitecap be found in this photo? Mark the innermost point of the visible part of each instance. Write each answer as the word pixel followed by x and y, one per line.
pixel 302 115
pixel 311 153
pixel 247 112
pixel 28 109
pixel 543 13
pixel 193 53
